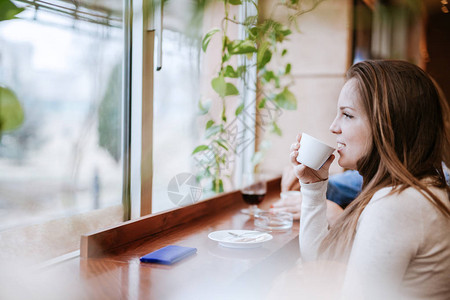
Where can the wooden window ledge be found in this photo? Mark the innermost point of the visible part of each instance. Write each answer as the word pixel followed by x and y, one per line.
pixel 109 267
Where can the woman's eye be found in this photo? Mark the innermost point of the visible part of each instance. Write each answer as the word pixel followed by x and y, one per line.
pixel 346 115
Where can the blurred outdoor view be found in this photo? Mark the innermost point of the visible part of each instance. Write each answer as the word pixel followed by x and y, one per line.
pixel 63 64
pixel 175 114
pixel 66 72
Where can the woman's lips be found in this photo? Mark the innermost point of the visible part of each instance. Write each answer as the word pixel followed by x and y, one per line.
pixel 340 146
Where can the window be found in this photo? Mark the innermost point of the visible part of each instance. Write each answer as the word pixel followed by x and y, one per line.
pixel 175 115
pixel 61 169
pixel 65 171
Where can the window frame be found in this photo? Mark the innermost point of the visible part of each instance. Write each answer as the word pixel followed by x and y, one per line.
pixel 142 51
pixel 126 128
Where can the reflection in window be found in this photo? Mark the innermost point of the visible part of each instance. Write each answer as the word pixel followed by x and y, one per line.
pixel 65 158
pixel 185 78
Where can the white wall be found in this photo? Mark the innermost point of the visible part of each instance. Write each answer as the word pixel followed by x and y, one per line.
pixel 320 55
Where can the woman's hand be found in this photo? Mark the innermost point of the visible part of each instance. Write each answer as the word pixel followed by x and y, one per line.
pixel 304 173
pixel 292 204
pixel 289 181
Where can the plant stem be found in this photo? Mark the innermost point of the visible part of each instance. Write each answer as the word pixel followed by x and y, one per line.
pixel 224 35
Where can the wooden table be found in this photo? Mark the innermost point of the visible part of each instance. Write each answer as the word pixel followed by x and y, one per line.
pixel 215 272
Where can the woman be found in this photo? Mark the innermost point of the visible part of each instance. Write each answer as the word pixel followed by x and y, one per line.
pixel 395 236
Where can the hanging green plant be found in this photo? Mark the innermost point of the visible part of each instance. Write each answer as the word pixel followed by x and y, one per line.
pixel 262 43
pixel 8 10
pixel 11 112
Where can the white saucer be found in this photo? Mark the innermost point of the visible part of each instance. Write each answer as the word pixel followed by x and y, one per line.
pixel 246 238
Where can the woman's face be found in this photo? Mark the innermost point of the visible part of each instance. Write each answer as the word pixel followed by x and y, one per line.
pixel 351 126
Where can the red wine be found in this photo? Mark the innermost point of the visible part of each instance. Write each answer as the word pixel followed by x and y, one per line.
pixel 253 199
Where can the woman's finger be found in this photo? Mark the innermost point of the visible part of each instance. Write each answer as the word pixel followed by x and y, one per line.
pixel 293 210
pixel 328 163
pixel 296 216
pixel 290 209
pixel 286 202
pixel 285 209
pixel 287 178
pixel 300 170
pixel 293 157
pixel 295 146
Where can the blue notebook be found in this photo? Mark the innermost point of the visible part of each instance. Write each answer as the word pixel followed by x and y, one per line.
pixel 168 255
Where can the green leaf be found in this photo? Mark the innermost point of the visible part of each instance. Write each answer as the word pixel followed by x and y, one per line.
pixel 203 108
pixel 213 130
pixel 283 53
pixel 217 185
pixel 241 70
pixel 209 124
pixel 219 85
pixel 280 33
pixel 276 129
pixel 224 88
pixel 235 2
pixel 264 58
pixel 224 116
pixel 221 189
pixel 268 76
pixel 286 100
pixel 11 112
pixel 285 32
pixel 208 37
pixel 200 148
pixel 277 82
pixel 221 144
pixel 230 72
pixel 199 177
pixel 251 20
pixel 239 109
pixel 241 47
pixel 8 10
pixel 205 173
pixel 253 32
pixel 288 69
pixel 262 104
pixel 231 90
pixel 249 56
pixel 226 57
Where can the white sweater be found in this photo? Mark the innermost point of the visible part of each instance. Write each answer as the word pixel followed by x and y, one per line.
pixel 402 242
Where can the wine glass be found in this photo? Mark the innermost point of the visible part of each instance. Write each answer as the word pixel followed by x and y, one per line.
pixel 253 190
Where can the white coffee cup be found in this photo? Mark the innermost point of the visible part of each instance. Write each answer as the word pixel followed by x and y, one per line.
pixel 313 153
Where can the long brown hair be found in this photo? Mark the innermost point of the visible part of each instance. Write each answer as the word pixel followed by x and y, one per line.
pixel 411 137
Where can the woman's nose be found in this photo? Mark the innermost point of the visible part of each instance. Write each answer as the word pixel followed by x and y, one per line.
pixel 334 128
